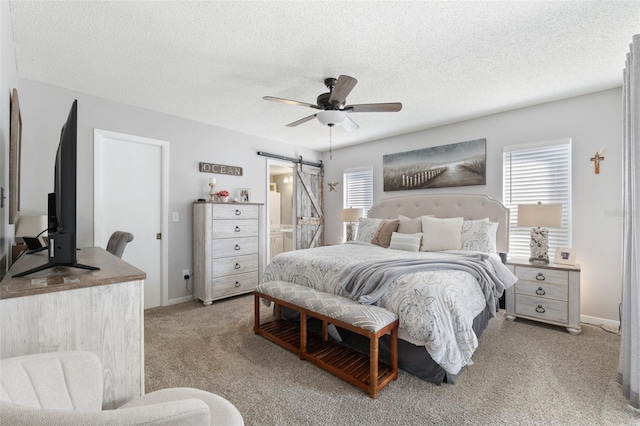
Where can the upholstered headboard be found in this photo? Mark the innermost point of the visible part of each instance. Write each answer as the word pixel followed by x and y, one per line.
pixel 448 205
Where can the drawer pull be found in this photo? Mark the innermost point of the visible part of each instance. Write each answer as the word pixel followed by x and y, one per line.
pixel 540 309
pixel 540 277
pixel 237 229
pixel 238 212
pixel 237 266
pixel 237 247
pixel 238 284
pixel 540 291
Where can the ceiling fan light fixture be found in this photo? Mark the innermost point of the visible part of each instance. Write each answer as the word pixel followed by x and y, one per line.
pixel 331 117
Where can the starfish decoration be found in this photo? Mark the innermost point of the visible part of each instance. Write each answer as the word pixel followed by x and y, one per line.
pixel 332 186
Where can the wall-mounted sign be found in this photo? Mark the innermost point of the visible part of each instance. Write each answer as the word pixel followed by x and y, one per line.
pixel 220 169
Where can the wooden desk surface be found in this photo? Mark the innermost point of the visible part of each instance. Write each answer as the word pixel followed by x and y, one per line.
pixel 112 270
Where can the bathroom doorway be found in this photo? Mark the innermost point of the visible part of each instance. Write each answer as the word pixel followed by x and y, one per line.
pixel 280 207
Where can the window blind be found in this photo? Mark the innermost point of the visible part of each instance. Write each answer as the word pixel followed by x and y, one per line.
pixel 358 189
pixel 537 173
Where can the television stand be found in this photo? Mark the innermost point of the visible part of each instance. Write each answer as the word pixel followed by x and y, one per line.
pixel 53 265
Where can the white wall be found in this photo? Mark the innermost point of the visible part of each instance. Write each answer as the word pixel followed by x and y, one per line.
pixel 591 121
pixel 44 110
pixel 8 80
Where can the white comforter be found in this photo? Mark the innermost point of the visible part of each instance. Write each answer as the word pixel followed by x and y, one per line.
pixel 435 308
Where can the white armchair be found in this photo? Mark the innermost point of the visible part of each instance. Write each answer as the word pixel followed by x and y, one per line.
pixel 65 388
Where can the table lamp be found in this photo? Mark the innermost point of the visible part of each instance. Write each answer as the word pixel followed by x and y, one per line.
pixel 539 216
pixel 350 216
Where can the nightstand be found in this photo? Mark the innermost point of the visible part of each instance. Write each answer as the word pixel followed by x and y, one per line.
pixel 545 292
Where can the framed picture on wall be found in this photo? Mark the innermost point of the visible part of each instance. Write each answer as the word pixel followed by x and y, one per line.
pixel 244 195
pixel 15 141
pixel 273 187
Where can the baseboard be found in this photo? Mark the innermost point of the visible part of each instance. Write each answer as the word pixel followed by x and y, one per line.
pixel 599 321
pixel 179 300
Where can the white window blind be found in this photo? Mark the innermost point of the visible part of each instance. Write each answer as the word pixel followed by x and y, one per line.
pixel 537 173
pixel 358 189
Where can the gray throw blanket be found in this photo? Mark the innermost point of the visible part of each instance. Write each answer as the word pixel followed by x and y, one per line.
pixel 368 282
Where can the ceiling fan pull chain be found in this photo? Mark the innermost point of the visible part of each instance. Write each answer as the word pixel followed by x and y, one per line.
pixel 330 142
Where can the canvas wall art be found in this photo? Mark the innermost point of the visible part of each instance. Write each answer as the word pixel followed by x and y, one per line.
pixel 458 164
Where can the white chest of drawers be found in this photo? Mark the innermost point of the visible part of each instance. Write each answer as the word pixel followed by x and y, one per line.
pixel 547 293
pixel 227 249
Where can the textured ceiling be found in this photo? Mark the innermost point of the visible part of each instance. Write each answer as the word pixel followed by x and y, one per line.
pixel 214 61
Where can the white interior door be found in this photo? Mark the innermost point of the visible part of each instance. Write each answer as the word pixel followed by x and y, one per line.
pixel 130 195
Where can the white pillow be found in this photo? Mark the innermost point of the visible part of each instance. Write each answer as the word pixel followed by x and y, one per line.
pixel 475 235
pixel 406 242
pixel 441 234
pixel 493 237
pixel 367 228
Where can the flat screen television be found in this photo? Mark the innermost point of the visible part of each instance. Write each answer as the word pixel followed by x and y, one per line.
pixel 62 202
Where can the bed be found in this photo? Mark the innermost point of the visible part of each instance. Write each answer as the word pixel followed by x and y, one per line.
pixel 444 290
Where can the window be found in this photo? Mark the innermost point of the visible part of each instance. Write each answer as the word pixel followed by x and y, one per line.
pixel 532 173
pixel 358 189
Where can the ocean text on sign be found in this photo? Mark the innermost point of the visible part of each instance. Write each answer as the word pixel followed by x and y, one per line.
pixel 220 169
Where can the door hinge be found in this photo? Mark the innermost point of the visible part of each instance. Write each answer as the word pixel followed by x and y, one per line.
pixel 159 236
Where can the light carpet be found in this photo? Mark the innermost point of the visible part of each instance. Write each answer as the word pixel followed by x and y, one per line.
pixel 524 373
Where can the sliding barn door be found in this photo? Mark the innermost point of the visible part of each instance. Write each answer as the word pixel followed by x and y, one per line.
pixel 310 218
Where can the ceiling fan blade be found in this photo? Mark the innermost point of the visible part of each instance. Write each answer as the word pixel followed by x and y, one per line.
pixel 384 107
pixel 344 86
pixel 302 120
pixel 290 102
pixel 349 125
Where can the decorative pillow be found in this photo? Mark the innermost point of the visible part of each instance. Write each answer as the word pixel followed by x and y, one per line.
pixel 406 242
pixel 441 234
pixel 410 226
pixel 367 228
pixel 475 235
pixel 383 235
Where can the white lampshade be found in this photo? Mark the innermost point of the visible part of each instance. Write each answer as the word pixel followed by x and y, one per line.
pixel 331 117
pixel 31 226
pixel 350 215
pixel 541 215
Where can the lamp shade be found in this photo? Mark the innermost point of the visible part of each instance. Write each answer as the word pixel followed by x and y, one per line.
pixel 541 215
pixel 330 117
pixel 31 226
pixel 350 215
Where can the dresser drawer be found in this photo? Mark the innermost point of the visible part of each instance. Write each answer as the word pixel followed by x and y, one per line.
pixel 543 289
pixel 235 211
pixel 234 247
pixel 542 275
pixel 234 265
pixel 234 228
pixel 545 309
pixel 236 284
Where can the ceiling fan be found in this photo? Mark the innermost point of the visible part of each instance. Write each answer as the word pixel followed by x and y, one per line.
pixel 333 111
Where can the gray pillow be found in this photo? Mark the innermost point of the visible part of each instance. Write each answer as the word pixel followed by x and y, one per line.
pixel 406 242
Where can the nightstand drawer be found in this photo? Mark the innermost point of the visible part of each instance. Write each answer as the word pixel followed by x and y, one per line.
pixel 542 275
pixel 546 309
pixel 543 289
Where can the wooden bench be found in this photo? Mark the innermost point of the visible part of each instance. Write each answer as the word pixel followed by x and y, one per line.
pixel 365 372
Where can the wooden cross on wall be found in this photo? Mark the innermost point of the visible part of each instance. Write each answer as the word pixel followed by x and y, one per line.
pixel 595 161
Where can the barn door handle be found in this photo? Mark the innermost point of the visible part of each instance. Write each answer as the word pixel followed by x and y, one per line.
pixel 540 291
pixel 540 277
pixel 237 229
pixel 237 265
pixel 238 212
pixel 237 247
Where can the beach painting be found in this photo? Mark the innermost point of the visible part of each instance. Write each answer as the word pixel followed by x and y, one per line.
pixel 458 164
